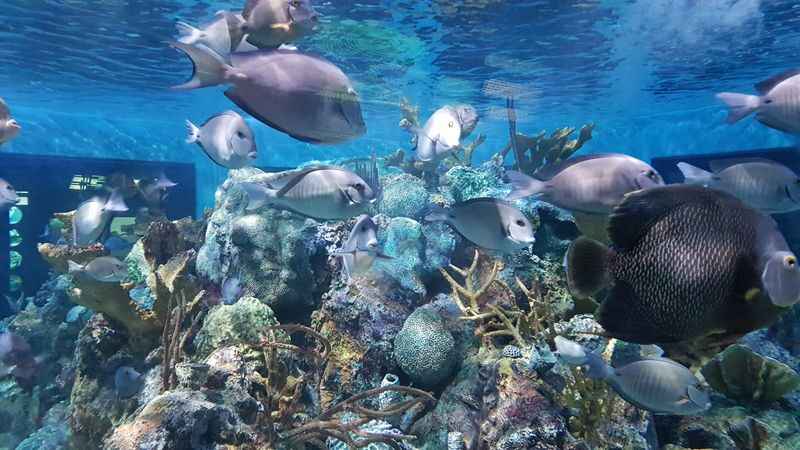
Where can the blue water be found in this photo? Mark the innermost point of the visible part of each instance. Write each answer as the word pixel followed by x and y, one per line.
pixel 91 77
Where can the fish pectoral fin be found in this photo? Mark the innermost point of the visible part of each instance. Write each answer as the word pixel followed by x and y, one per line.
pixel 752 295
pixel 620 315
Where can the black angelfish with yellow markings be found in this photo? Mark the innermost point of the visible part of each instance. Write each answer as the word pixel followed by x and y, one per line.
pixel 686 262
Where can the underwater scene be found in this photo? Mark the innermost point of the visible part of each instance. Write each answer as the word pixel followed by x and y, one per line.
pixel 400 224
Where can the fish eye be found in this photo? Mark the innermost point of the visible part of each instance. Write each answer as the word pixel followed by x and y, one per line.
pixel 363 228
pixel 295 3
pixel 240 135
pixel 451 124
pixel 359 187
pixel 790 261
pixel 520 223
pixel 768 101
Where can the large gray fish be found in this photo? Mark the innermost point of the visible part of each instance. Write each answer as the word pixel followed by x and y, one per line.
pixel 270 23
pixel 224 35
pixel 361 248
pixel 761 183
pixel 226 139
pixel 315 104
pixel 321 192
pixel 8 195
pixel 487 222
pixel 9 128
pixel 92 217
pixel 777 105
pixel 686 262
pixel 105 269
pixel 443 131
pixel 659 385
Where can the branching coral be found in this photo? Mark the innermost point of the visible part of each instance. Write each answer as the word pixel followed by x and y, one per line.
pixel 173 340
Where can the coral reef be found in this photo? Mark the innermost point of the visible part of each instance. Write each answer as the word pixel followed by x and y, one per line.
pixel 404 195
pixel 425 349
pixel 238 324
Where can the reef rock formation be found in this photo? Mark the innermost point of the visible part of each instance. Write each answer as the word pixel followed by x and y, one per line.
pixel 425 349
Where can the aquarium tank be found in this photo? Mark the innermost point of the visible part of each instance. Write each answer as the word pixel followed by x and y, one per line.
pixel 398 224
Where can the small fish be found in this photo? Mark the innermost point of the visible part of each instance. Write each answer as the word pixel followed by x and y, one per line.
pixel 777 105
pixel 224 35
pixel 443 131
pixel 231 290
pixel 127 381
pixel 270 23
pixel 316 104
pixel 685 262
pixel 105 269
pixel 361 248
pixel 154 189
pixel 9 128
pixel 321 192
pixel 92 217
pixel 16 358
pixel 762 184
pixel 117 246
pixel 8 195
pixel 226 139
pixel 487 222
pixel 659 385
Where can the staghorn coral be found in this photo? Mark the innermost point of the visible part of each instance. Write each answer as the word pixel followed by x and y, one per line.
pixel 742 374
pixel 425 349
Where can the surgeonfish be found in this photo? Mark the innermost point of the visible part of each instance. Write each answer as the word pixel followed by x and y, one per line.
pixel 154 189
pixel 320 192
pixel 316 104
pixel 8 195
pixel 487 222
pixel 127 381
pixel 224 35
pixel 763 184
pixel 685 261
pixel 9 128
pixel 361 248
pixel 777 105
pixel 93 216
pixel 226 139
pixel 659 385
pixel 443 131
pixel 106 269
pixel 270 23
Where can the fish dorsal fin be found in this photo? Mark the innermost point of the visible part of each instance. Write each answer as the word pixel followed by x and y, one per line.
pixel 551 170
pixel 486 199
pixel 767 85
pixel 718 165
pixel 249 7
pixel 215 116
pixel 632 218
pixel 5 113
pixel 298 176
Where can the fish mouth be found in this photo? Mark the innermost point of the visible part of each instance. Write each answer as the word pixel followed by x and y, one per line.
pixel 252 155
pixel 14 125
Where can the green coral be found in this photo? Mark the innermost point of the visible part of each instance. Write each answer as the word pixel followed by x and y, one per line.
pixel 402 240
pixel 470 182
pixel 137 264
pixel 404 195
pixel 425 349
pixel 242 323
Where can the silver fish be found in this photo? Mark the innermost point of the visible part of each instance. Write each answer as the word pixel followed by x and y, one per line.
pixel 270 23
pixel 659 385
pixel 777 105
pixel 487 222
pixel 92 217
pixel 9 128
pixel 224 35
pixel 106 269
pixel 762 184
pixel 8 195
pixel 127 381
pixel 316 104
pixel 321 192
pixel 231 290
pixel 592 184
pixel 443 131
pixel 226 139
pixel 153 189
pixel 361 248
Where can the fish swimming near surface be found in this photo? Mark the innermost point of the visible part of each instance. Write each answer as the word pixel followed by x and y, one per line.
pixel 686 262
pixel 270 23
pixel 659 385
pixel 777 105
pixel 361 248
pixel 127 381
pixel 226 139
pixel 224 35
pixel 92 217
pixel 320 192
pixel 105 269
pixel 316 104
pixel 8 195
pixel 443 131
pixel 487 222
pixel 9 128
pixel 761 183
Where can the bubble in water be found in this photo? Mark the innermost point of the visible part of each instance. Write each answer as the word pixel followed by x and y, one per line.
pixel 15 283
pixel 14 238
pixel 14 215
pixel 15 258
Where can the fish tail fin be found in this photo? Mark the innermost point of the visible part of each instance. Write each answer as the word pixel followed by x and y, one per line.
pixel 73 267
pixel 189 34
pixel 116 202
pixel 598 369
pixel 587 266
pixel 437 213
pixel 739 105
pixel 209 69
pixel 523 185
pixel 694 175
pixel 257 195
pixel 194 132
